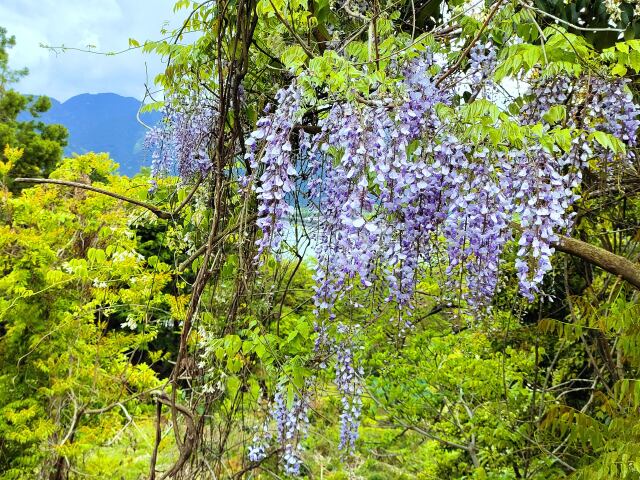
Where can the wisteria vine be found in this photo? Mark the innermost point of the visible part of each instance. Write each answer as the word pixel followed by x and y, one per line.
pixel 404 183
pixel 394 178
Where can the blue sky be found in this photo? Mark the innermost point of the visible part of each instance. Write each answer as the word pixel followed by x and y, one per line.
pixel 107 24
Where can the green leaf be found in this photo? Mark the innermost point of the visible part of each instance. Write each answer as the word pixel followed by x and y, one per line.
pixel 608 141
pixel 260 349
pixel 563 138
pixel 619 70
pixel 321 10
pixel 623 47
pixel 151 107
pixel 555 114
pixel 293 57
pixel 233 384
pixel 234 364
pixel 531 55
pixel 547 142
pixel 634 60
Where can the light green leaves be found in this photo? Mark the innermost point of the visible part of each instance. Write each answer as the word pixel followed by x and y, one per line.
pixel 556 114
pixel 608 141
pixel 622 57
pixel 294 58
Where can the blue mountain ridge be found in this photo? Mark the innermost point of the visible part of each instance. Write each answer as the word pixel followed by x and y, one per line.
pixel 104 122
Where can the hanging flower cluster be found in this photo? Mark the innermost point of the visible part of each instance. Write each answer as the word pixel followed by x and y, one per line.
pixel 291 426
pixel 544 182
pixel 611 109
pixel 182 140
pixel 364 149
pixel 483 60
pixel 258 449
pixel 269 146
pixel 348 380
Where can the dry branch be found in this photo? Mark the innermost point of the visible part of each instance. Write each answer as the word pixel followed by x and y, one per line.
pixel 152 208
pixel 607 261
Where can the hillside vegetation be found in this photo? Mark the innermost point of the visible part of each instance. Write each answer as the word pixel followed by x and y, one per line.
pixel 378 240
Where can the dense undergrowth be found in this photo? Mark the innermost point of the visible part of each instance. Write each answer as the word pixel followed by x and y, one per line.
pixel 392 244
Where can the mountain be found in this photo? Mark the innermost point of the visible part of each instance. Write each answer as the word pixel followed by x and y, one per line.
pixel 104 122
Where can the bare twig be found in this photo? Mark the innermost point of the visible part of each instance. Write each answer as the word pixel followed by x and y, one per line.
pixel 190 436
pixel 158 439
pixel 352 13
pixel 188 198
pixel 152 208
pixel 572 25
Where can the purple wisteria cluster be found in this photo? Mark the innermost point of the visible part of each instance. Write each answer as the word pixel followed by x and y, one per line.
pixel 258 448
pixel 365 150
pixel 391 178
pixel 546 92
pixel 542 185
pixel 182 140
pixel 347 242
pixel 483 59
pixel 348 380
pixel 611 109
pixel 545 182
pixel 541 201
pixel 159 142
pixel 291 424
pixel 270 150
pixel 477 223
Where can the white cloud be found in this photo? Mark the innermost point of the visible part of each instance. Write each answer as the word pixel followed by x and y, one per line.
pixel 105 24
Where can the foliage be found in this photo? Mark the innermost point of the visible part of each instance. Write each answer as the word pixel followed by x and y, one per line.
pixel 69 374
pixel 432 166
pixel 42 144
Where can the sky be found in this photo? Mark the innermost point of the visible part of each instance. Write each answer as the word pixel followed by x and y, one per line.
pixel 106 24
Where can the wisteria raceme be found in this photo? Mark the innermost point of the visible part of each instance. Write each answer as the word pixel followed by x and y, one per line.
pixel 547 180
pixel 194 133
pixel 540 194
pixel 258 448
pixel 546 92
pixel 477 222
pixel 348 380
pixel 291 426
pixel 270 146
pixel 357 229
pixel 541 204
pixel 409 186
pixel 182 140
pixel 346 240
pixel 483 59
pixel 611 109
pixel 159 141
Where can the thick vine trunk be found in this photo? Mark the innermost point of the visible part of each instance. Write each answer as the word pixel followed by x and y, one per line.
pixel 609 262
